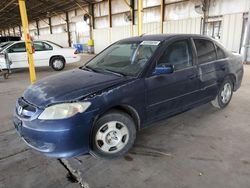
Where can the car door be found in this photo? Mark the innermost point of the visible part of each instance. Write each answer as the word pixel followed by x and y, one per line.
pixel 17 55
pixel 168 94
pixel 208 68
pixel 43 52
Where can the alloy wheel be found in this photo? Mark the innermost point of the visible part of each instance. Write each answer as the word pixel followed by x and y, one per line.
pixel 226 93
pixel 112 137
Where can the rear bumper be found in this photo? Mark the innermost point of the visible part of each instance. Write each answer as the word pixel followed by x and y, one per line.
pixel 57 138
pixel 74 59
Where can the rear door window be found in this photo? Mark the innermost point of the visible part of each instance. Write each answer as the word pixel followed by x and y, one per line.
pixel 220 53
pixel 205 51
pixel 42 46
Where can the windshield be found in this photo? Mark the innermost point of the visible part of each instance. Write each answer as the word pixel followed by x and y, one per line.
pixel 124 58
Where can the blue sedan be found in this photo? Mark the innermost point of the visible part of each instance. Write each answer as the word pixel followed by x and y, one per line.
pixel 98 108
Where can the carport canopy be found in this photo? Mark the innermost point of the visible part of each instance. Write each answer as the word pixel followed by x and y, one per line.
pixel 36 10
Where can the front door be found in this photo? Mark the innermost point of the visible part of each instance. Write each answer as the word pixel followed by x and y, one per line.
pixel 168 94
pixel 17 54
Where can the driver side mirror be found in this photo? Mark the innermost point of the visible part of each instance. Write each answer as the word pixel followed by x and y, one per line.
pixel 165 69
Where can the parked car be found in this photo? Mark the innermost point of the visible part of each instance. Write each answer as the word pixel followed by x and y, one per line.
pixel 46 54
pixel 133 83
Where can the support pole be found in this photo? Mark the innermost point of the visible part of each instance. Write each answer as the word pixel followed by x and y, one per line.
pixel 14 32
pixel 110 19
pixel 132 13
pixel 206 4
pixel 247 40
pixel 37 28
pixel 140 9
pixel 28 41
pixel 67 25
pixel 50 26
pixel 162 14
pixel 20 30
pixel 110 13
pixel 92 20
pixel 9 31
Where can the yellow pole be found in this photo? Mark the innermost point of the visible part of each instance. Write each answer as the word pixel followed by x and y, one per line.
pixel 28 41
pixel 140 9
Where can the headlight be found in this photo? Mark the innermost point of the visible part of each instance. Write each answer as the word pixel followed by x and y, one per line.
pixel 64 110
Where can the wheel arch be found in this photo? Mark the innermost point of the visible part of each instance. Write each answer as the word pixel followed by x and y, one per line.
pixel 131 111
pixel 232 77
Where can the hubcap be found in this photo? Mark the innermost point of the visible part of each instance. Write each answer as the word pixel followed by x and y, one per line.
pixel 226 93
pixel 58 64
pixel 112 137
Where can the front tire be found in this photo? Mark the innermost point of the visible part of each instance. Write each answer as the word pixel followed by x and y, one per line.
pixel 113 135
pixel 6 75
pixel 224 95
pixel 57 63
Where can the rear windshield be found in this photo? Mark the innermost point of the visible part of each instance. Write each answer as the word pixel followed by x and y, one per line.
pixel 55 44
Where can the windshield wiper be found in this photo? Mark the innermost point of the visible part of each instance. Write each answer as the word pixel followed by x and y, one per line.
pixel 87 68
pixel 115 73
pixel 100 70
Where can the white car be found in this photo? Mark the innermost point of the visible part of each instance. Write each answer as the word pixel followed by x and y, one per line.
pixel 46 54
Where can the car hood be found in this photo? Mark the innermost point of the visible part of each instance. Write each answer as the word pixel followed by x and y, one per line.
pixel 68 86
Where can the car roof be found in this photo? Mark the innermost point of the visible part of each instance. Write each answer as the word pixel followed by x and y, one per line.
pixel 162 37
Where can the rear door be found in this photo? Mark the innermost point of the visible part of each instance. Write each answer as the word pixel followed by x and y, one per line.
pixel 18 56
pixel 170 93
pixel 43 52
pixel 208 68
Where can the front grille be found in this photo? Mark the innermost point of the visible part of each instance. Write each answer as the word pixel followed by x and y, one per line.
pixel 24 109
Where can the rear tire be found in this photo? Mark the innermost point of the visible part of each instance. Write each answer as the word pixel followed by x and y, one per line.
pixel 113 135
pixel 224 95
pixel 57 63
pixel 6 75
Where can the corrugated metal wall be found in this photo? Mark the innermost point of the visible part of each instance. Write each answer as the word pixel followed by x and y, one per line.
pixel 179 18
pixel 151 28
pixel 106 36
pixel 56 37
pixel 101 39
pixel 189 26
pixel 231 31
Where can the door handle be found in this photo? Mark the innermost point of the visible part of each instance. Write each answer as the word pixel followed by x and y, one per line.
pixel 223 68
pixel 191 76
